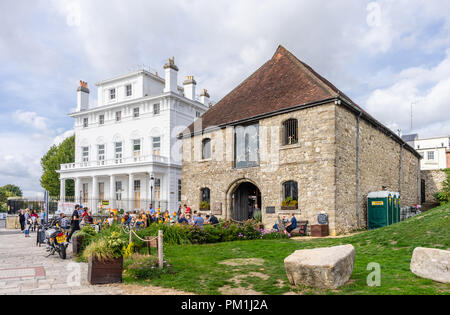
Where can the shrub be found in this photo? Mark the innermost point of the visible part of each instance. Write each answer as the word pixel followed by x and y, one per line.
pixel 257 215
pixel 107 248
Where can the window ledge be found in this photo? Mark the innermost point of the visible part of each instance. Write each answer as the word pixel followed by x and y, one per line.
pixel 290 146
pixel 205 160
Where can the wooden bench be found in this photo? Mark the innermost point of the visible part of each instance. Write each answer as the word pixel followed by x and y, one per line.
pixel 301 229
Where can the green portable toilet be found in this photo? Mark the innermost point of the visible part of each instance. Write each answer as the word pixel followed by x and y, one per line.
pixel 394 208
pixel 398 208
pixel 379 213
pixel 390 209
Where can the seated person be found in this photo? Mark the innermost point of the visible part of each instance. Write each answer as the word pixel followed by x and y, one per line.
pixel 198 221
pixel 211 219
pixel 182 219
pixel 291 225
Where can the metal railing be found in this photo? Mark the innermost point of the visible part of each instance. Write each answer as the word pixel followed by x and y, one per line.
pixel 116 161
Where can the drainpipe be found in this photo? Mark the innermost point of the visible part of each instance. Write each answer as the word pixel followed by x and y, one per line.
pixel 401 170
pixel 358 196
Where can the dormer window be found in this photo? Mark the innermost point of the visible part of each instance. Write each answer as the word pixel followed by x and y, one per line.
pixel 129 90
pixel 112 94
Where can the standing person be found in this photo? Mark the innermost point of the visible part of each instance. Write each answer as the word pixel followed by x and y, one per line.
pixel 42 217
pixel 187 210
pixel 198 221
pixel 74 223
pixel 22 220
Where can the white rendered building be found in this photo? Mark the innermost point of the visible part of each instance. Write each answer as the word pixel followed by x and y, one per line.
pixel 434 151
pixel 127 154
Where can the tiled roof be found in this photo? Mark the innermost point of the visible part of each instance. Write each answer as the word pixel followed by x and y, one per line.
pixel 282 82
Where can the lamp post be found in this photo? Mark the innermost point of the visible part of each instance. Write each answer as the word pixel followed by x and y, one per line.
pixel 152 180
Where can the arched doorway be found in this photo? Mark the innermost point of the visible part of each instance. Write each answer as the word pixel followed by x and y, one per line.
pixel 245 198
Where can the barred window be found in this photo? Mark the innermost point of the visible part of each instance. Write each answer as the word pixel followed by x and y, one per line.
pixel 291 190
pixel 290 132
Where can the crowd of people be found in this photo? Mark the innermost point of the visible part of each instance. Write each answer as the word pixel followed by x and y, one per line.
pixel 31 219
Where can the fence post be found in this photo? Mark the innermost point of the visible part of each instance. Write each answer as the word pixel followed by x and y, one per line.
pixel 131 236
pixel 160 249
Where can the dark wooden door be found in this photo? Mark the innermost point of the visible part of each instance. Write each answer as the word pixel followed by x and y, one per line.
pixel 241 207
pixel 422 190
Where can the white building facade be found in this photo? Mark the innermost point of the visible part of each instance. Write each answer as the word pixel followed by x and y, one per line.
pixel 127 154
pixel 434 152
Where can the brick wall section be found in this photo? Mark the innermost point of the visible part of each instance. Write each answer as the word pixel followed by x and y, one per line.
pixel 311 164
pixel 379 166
pixel 433 183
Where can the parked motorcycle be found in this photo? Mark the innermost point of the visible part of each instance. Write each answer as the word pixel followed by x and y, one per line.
pixel 55 238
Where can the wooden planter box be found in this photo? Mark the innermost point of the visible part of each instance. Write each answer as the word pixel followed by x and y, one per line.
pixel 77 242
pixel 289 207
pixel 320 230
pixel 105 272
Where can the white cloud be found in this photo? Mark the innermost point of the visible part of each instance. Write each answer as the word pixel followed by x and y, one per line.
pixel 427 89
pixel 60 138
pixel 31 119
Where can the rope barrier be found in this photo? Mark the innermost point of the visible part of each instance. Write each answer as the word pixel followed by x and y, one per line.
pixel 156 237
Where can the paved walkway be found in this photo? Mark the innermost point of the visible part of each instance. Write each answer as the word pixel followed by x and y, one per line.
pixel 25 269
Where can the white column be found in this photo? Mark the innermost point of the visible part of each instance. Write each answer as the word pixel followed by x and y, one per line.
pixel 146 191
pixel 62 190
pixel 95 200
pixel 77 190
pixel 130 192
pixel 112 184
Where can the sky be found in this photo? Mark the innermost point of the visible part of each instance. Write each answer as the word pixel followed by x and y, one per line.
pixel 388 56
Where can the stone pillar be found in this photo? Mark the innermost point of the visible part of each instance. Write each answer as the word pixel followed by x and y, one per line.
pixel 77 190
pixel 62 190
pixel 112 184
pixel 131 192
pixel 95 200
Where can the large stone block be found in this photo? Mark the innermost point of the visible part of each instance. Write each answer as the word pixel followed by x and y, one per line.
pixel 431 263
pixel 327 268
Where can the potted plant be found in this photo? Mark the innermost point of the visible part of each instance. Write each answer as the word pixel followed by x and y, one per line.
pixel 257 215
pixel 289 204
pixel 81 238
pixel 205 206
pixel 105 260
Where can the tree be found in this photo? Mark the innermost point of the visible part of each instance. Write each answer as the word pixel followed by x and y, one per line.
pixel 51 162
pixel 14 190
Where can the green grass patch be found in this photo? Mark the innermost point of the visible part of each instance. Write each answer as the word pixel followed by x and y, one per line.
pixel 198 268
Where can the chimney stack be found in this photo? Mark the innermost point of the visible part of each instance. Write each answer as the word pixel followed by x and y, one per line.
pixel 82 97
pixel 204 97
pixel 189 87
pixel 171 76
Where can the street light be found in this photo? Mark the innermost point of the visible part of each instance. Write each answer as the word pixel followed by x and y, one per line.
pixel 152 180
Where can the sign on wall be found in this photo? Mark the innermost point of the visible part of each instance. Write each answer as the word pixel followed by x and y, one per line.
pixel 270 210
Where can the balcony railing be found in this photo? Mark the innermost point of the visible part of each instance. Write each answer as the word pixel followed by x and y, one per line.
pixel 117 161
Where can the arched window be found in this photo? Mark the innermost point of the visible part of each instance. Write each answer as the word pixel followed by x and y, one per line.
pixel 206 195
pixel 290 190
pixel 205 199
pixel 290 132
pixel 206 148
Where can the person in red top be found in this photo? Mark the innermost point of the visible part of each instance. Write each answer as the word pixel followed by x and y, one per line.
pixel 187 209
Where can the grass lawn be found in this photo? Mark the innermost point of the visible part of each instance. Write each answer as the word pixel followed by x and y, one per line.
pixel 198 267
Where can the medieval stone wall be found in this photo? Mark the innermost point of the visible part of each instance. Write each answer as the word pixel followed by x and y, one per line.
pixel 433 183
pixel 323 163
pixel 379 166
pixel 310 163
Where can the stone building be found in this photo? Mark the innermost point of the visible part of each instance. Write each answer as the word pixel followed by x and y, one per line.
pixel 284 134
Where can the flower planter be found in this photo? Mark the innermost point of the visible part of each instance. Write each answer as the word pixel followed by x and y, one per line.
pixel 77 242
pixel 204 209
pixel 105 271
pixel 289 207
